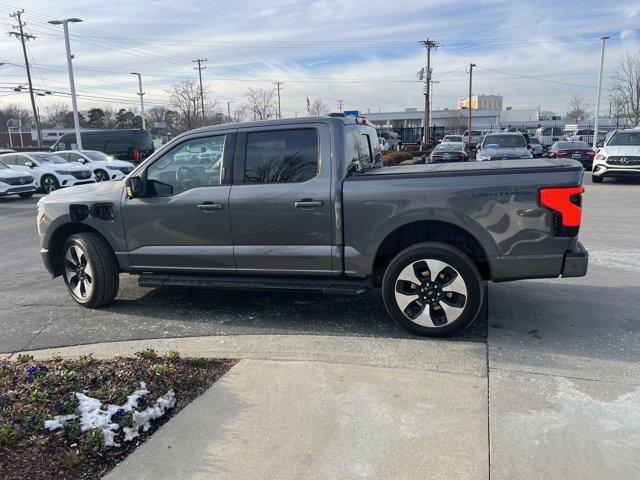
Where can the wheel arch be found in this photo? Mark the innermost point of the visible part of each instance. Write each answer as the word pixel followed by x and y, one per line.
pixel 57 240
pixel 429 231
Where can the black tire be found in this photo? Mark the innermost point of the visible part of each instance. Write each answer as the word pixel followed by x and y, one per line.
pixel 458 263
pixel 101 176
pixel 49 184
pixel 104 267
pixel 595 179
pixel 26 195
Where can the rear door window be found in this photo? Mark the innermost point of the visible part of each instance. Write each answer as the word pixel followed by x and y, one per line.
pixel 281 156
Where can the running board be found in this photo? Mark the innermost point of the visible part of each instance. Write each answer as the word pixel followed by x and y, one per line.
pixel 327 286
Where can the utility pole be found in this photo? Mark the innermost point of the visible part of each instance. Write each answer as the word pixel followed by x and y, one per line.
pixel 24 37
pixel 603 39
pixel 229 110
pixel 200 61
pixel 72 85
pixel 141 93
pixel 433 82
pixel 277 84
pixel 340 102
pixel 429 45
pixel 471 65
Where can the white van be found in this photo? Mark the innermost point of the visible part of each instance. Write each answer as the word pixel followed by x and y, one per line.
pixel 547 136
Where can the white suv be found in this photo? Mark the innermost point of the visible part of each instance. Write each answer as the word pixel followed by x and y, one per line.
pixel 14 182
pixel 619 157
pixel 50 171
pixel 103 166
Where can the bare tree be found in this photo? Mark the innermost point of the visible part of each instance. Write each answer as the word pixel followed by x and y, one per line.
pixel 318 108
pixel 239 114
pixel 15 112
pixel 625 86
pixel 185 97
pixel 454 121
pixel 578 110
pixel 54 114
pixel 261 103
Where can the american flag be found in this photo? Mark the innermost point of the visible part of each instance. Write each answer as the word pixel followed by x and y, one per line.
pixel 308 106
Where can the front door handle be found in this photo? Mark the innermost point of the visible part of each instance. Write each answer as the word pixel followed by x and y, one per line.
pixel 209 206
pixel 308 203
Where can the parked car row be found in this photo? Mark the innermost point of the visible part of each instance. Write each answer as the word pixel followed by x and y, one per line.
pixel 25 173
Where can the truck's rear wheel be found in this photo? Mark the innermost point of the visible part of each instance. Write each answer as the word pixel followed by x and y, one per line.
pixel 433 289
pixel 90 270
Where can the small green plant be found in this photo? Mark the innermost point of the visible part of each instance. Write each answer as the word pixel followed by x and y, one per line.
pixel 10 434
pixel 69 405
pixel 127 420
pixel 93 439
pixel 158 371
pixel 201 362
pixel 24 358
pixel 37 397
pixel 187 383
pixel 172 356
pixel 148 354
pixel 69 460
pixel 34 421
pixel 73 431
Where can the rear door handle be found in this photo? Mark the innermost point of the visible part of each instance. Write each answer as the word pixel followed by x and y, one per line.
pixel 308 203
pixel 209 206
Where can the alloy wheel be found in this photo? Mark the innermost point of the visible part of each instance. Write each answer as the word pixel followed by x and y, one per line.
pixel 78 272
pixel 430 293
pixel 49 184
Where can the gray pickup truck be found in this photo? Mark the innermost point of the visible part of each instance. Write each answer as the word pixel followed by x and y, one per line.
pixel 305 204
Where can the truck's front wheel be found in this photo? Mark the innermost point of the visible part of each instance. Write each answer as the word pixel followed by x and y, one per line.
pixel 90 270
pixel 433 289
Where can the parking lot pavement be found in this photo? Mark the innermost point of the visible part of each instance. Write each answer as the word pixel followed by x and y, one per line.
pixel 560 360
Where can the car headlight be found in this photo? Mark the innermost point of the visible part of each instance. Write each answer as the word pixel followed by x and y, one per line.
pixel 111 167
pixel 64 172
pixel 601 156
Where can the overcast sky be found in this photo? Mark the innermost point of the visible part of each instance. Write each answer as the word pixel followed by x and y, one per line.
pixel 363 52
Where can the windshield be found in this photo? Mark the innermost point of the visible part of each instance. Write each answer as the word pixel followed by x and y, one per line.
pixel 362 146
pixel 452 138
pixel 48 158
pixel 625 139
pixel 505 141
pixel 534 141
pixel 96 156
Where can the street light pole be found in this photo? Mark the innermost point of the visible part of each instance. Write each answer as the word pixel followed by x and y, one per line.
pixel 603 39
pixel 141 93
pixel 72 85
pixel 470 105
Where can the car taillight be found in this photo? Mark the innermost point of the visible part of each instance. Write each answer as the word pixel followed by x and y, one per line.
pixel 136 155
pixel 591 153
pixel 566 204
pixel 561 154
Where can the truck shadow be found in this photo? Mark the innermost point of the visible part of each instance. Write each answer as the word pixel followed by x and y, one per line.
pixel 219 312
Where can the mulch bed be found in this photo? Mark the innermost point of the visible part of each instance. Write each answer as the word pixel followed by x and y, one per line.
pixel 34 391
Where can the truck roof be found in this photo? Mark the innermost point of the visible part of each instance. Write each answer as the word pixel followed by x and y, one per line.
pixel 278 121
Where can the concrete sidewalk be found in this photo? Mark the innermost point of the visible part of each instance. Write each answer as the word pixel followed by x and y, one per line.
pixel 277 420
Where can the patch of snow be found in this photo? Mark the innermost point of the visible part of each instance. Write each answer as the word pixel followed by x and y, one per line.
pixel 143 419
pixel 93 414
pixel 59 421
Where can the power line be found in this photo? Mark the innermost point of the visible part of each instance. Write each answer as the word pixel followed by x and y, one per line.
pixel 277 84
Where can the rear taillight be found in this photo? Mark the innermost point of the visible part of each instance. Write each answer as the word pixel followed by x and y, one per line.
pixel 591 153
pixel 566 204
pixel 561 154
pixel 136 155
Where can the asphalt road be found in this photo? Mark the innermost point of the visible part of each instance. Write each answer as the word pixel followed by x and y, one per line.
pixel 36 311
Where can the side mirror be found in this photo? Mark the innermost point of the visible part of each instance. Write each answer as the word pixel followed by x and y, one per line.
pixel 133 187
pixel 29 164
pixel 354 167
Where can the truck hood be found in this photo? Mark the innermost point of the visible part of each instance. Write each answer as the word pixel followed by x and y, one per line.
pixel 92 192
pixel 622 150
pixel 509 152
pixel 10 173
